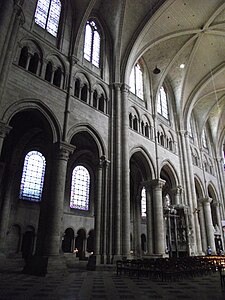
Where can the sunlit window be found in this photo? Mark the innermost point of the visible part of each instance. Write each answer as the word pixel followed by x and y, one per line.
pixel 143 202
pixel 33 176
pixel 92 43
pixel 162 103
pixel 79 197
pixel 136 81
pixel 47 15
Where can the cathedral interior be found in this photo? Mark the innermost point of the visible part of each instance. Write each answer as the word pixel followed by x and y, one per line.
pixel 112 129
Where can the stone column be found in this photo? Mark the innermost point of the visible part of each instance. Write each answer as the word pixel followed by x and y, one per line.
pixel 117 166
pixel 208 223
pixel 202 227
pixel 159 235
pixel 177 194
pixel 137 226
pixel 56 202
pixel 106 215
pixel 98 212
pixel 125 172
pixel 149 217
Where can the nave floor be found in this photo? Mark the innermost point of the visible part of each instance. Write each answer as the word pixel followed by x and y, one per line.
pixel 86 285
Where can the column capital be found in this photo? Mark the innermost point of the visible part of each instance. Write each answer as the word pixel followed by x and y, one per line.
pixel 64 150
pixel 178 190
pixel 73 60
pixel 154 184
pixel 125 88
pixel 205 200
pixel 217 204
pixel 183 132
pixel 103 162
pixel 117 85
pixel 4 129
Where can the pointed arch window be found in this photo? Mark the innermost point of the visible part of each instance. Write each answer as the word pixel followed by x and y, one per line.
pixel 92 43
pixel 143 202
pixel 162 103
pixel 80 186
pixel 47 15
pixel 136 81
pixel 32 181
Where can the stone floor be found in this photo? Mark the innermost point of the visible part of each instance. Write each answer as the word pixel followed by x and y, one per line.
pixel 84 285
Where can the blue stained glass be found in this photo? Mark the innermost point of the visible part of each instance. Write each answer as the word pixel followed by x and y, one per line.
pixel 54 15
pixel 41 12
pixel 47 15
pixel 33 176
pixel 79 197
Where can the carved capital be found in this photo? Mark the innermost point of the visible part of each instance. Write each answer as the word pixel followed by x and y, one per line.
pixel 154 184
pixel 206 200
pixel 103 162
pixel 4 129
pixel 64 150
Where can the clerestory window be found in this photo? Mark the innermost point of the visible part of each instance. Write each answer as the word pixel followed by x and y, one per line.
pixel 47 15
pixel 32 181
pixel 80 186
pixel 92 43
pixel 162 103
pixel 136 81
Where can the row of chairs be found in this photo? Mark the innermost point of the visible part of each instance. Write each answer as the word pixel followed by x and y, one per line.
pixel 167 269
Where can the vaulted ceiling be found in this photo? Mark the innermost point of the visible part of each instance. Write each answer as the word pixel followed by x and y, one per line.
pixel 166 34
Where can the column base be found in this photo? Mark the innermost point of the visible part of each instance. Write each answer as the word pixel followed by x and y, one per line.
pixel 42 265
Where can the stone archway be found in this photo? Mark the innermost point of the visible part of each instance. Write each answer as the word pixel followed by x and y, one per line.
pixel 68 241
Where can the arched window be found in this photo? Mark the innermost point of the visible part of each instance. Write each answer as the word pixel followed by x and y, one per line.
pixel 57 77
pixel 84 93
pixel 92 43
pixel 23 57
pixel 101 105
pixel 95 99
pixel 33 65
pixel 77 88
pixel 47 15
pixel 162 103
pixel 80 186
pixel 143 202
pixel 33 176
pixel 135 123
pixel 136 81
pixel 48 72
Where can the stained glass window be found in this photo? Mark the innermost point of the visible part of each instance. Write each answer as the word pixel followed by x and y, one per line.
pixel 79 197
pixel 136 81
pixel 162 104
pixel 33 176
pixel 47 15
pixel 143 202
pixel 92 43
